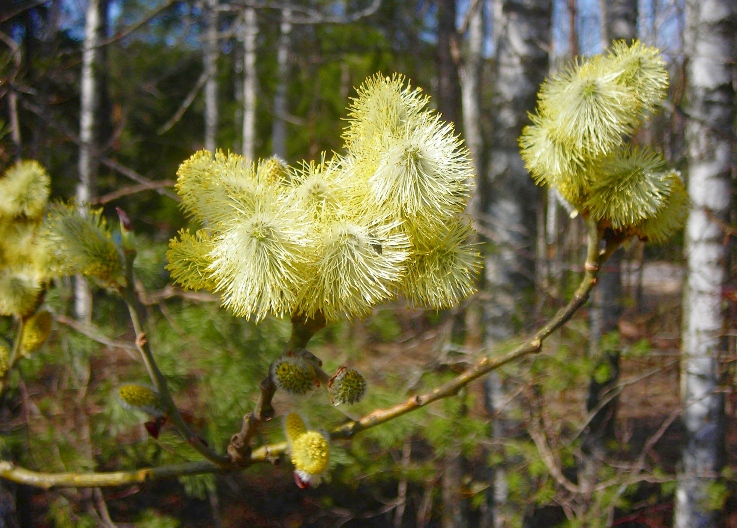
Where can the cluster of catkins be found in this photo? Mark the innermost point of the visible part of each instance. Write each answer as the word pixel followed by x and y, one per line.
pixel 38 242
pixel 579 143
pixel 24 271
pixel 24 193
pixel 337 237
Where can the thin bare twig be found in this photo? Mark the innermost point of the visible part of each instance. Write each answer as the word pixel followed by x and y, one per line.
pixel 547 456
pixel 185 104
pixel 108 162
pixel 132 189
pixel 94 333
pixel 309 15
pixel 169 291
pixel 124 32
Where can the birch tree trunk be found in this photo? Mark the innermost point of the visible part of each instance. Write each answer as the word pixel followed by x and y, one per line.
pixel 89 128
pixel 449 100
pixel 710 49
pixel 210 57
pixel 279 127
pixel 618 21
pixel 250 32
pixel 510 197
pixel 470 78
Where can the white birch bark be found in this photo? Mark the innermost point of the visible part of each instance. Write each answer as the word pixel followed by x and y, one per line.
pixel 88 129
pixel 250 32
pixel 710 48
pixel 210 57
pixel 14 123
pixel 510 197
pixel 618 21
pixel 279 126
pixel 470 76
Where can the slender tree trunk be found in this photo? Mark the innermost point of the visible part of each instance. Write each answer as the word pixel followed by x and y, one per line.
pixel 14 123
pixel 250 32
pixel 710 49
pixel 449 99
pixel 510 197
pixel 90 123
pixel 453 515
pixel 618 21
pixel 470 79
pixel 279 127
pixel 237 116
pixel 210 58
pixel 572 6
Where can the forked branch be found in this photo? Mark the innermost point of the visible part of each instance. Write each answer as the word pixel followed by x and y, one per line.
pixel 240 454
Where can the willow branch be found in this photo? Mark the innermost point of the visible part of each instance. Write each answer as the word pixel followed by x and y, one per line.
pixel 239 449
pixel 157 378
pixel 594 259
pixel 302 331
pixel 10 471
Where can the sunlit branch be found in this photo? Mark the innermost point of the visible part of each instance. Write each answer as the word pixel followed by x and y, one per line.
pixel 240 454
pixel 157 378
pixel 37 479
pixel 239 448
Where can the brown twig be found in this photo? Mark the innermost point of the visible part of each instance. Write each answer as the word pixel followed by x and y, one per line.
pixel 239 449
pixel 91 331
pixel 302 331
pixel 133 189
pixel 186 103
pixel 157 378
pixel 156 297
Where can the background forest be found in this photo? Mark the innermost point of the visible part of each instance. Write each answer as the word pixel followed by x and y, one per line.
pixel 625 417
